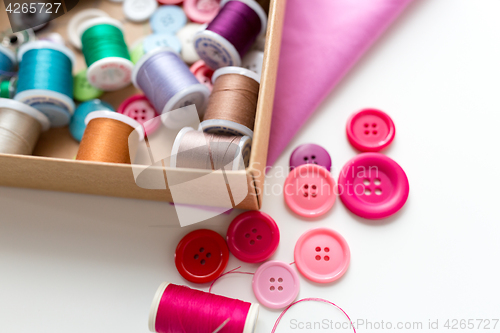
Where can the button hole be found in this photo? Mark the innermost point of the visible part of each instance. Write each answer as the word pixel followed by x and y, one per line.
pixel 327 258
pixel 313 157
pixel 196 257
pixel 259 237
pixel 366 182
pixel 327 249
pixel 318 258
pixel 366 124
pixel 272 288
pixel 314 195
pixel 305 158
pixel 209 255
pixel 374 125
pixel 252 242
pixel 254 231
pixel 306 186
pixel 367 132
pixel 368 192
pixel 305 194
pixel 313 187
pixel 318 249
pixel 202 261
pixel 272 280
pixel 375 132
pixel 280 288
pixel 378 191
pixel 202 249
pixel 247 236
pixel 280 280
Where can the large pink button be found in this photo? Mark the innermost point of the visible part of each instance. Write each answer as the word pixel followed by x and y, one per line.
pixel 310 190
pixel 373 186
pixel 275 284
pixel 253 237
pixel 370 130
pixel 322 255
pixel 201 11
pixel 139 108
pixel 203 73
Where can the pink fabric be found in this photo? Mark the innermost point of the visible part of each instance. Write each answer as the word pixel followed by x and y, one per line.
pixel 322 40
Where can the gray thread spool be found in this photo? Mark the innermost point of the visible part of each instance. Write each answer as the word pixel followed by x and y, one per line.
pixel 20 127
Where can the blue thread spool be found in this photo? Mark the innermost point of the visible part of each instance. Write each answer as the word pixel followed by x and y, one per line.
pixel 46 81
pixel 77 125
pixel 7 61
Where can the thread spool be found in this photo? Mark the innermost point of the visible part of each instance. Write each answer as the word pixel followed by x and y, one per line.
pixel 179 309
pixel 169 84
pixel 20 127
pixel 233 104
pixel 7 61
pixel 106 53
pixel 45 80
pixel 198 150
pixel 231 34
pixel 14 40
pixel 8 87
pixel 110 137
pixel 77 124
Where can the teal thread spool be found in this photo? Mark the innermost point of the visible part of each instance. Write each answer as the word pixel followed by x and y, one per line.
pixel 45 80
pixel 77 125
pixel 7 61
pixel 106 54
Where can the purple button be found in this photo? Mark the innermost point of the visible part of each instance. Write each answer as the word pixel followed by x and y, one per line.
pixel 275 284
pixel 253 237
pixel 310 154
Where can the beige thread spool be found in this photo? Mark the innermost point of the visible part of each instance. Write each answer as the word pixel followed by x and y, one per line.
pixel 199 150
pixel 20 127
pixel 233 104
pixel 110 137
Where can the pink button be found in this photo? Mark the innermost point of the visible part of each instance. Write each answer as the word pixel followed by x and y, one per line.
pixel 253 237
pixel 310 190
pixel 203 73
pixel 322 255
pixel 170 2
pixel 275 284
pixel 370 130
pixel 201 11
pixel 139 108
pixel 373 186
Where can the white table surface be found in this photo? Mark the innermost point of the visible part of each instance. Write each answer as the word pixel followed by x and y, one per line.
pixel 79 263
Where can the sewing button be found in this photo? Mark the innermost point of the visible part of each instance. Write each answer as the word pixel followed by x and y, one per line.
pixel 77 124
pixel 140 109
pixel 168 19
pixel 186 36
pixel 154 41
pixel 203 73
pixel 310 190
pixel 253 61
pixel 310 154
pixel 201 11
pixel 201 256
pixel 253 237
pixel 139 10
pixel 373 186
pixel 275 284
pixel 322 255
pixel 370 130
pixel 82 89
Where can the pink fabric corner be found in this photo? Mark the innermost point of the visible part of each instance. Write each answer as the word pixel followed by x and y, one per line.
pixel 322 40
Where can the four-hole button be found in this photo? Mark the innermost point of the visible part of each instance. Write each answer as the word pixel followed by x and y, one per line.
pixel 370 130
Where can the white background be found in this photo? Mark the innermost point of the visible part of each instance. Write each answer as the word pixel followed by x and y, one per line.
pixel 78 263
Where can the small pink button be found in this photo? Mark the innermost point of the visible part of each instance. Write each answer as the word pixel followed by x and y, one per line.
pixel 373 186
pixel 253 237
pixel 322 255
pixel 140 109
pixel 201 11
pixel 170 2
pixel 310 190
pixel 203 73
pixel 275 284
pixel 370 130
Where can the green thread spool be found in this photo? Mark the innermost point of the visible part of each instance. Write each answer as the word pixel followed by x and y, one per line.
pixel 5 89
pixel 106 54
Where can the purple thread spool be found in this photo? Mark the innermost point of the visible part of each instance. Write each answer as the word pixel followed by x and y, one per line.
pixel 231 34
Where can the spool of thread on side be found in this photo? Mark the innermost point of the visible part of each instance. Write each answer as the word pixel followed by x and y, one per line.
pixel 20 127
pixel 7 61
pixel 169 84
pixel 179 309
pixel 110 137
pixel 231 33
pixel 45 80
pixel 233 104
pixel 106 53
pixel 198 150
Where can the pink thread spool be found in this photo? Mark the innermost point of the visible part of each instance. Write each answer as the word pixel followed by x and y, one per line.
pixel 179 309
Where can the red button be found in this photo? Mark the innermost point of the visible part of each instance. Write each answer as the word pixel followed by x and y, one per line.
pixel 370 130
pixel 373 186
pixel 140 109
pixel 201 11
pixel 253 237
pixel 310 190
pixel 203 73
pixel 201 256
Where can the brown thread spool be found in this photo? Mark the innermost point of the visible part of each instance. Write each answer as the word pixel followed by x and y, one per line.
pixel 199 150
pixel 110 137
pixel 233 104
pixel 20 127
